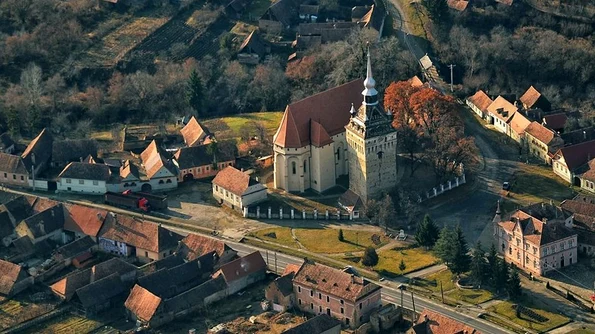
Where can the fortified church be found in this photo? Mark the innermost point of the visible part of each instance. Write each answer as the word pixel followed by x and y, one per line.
pixel 325 136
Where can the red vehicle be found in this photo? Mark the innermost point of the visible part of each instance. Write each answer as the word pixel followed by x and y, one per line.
pixel 128 200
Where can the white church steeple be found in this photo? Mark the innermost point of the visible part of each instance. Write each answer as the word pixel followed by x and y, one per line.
pixel 370 93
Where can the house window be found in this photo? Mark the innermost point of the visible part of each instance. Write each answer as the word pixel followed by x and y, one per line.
pixel 146 254
pixel 161 182
pixel 14 177
pixel 22 178
pixel 81 181
pixel 360 306
pixel 293 167
pixel 207 168
pixel 509 250
pixel 319 308
pixel 168 181
pixel 305 170
pixel 198 170
pixel 347 321
pixel 328 300
pixel 216 188
pixel 95 182
pixel 299 289
pixel 311 306
pixel 319 295
pixel 535 263
pixel 342 302
pixel 5 175
pixel 527 259
pixel 311 293
pixel 328 311
pixel 534 250
pixel 342 310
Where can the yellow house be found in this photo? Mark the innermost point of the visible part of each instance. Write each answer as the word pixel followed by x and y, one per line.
pixel 542 142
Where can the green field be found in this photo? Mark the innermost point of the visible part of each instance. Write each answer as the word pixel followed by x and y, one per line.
pixel 505 309
pixel 326 240
pixel 229 127
pixel 414 258
pixel 282 236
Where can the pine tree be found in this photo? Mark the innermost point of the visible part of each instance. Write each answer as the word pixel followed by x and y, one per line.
pixel 461 261
pixel 437 10
pixel 370 257
pixel 513 284
pixel 427 232
pixel 402 266
pixel 500 278
pixel 492 270
pixel 341 235
pixel 444 247
pixel 478 264
pixel 195 92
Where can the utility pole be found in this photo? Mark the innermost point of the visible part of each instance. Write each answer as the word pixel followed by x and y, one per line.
pixel 401 298
pixel 451 66
pixel 442 292
pixel 413 302
pixel 267 253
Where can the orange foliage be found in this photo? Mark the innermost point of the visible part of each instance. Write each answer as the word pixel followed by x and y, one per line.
pixel 397 99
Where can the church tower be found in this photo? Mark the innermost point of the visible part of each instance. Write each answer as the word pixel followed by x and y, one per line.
pixel 371 144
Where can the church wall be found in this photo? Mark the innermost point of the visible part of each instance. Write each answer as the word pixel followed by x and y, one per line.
pixel 381 172
pixel 288 169
pixel 323 167
pixel 357 165
pixel 341 163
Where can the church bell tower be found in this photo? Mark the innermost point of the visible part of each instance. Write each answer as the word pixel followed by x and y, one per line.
pixel 371 144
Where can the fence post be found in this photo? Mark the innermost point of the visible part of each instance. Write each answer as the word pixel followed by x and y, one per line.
pixel 315 214
pixel 304 214
pixel 463 178
pixel 245 212
pixel 449 185
pixel 269 212
pixel 258 212
pixel 281 213
pixel 435 191
pixel 441 188
pixel 457 181
pixel 292 213
pixel 338 215
pixel 326 214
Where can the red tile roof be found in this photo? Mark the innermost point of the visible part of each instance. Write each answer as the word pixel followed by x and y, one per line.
pixel 12 164
pixel 481 100
pixel 333 281
pixel 518 123
pixel 234 180
pixel 242 267
pixel 530 97
pixel 415 81
pixel 436 323
pixel 83 219
pixel 152 160
pixel 555 121
pixel 67 286
pixel 40 147
pixel 142 303
pixel 10 274
pixel 291 268
pixel 139 233
pixel 459 5
pixel 589 174
pixel 540 132
pixel 318 135
pixel 199 245
pixel 536 231
pixel 502 103
pixel 329 108
pixel 577 155
pixel 194 132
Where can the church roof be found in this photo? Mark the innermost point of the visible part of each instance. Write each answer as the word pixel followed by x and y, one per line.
pixel 330 109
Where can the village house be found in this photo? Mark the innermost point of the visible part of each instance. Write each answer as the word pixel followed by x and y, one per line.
pixel 583 212
pixel 160 172
pixel 7 232
pixel 13 171
pixel 194 246
pixel 242 272
pixel 499 113
pixel 196 134
pixel 567 160
pixel 127 176
pixel 86 178
pixel 280 293
pixel 38 153
pixel 47 224
pixel 71 150
pixel 64 255
pixel 556 122
pixel 81 221
pixel 14 279
pixel 586 176
pixel 323 290
pixel 66 287
pixel 237 189
pixel 517 125
pixel 538 238
pixel 101 295
pixel 320 324
pixel 6 143
pixel 479 103
pixel 153 311
pixel 542 142
pixel 533 99
pixel 253 49
pixel 433 322
pixel 280 16
pixel 127 236
pixel 458 5
pixel 198 163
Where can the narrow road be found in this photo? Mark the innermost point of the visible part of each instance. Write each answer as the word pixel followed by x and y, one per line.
pixel 404 32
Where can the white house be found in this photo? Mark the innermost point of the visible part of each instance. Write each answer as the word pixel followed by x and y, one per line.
pixel 237 189
pixel 499 113
pixel 84 177
pixel 479 103
pixel 161 173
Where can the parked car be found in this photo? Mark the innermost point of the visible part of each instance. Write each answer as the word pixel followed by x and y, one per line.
pixel 506 186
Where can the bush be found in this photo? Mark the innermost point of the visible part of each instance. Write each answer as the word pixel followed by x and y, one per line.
pixel 341 235
pixel 370 257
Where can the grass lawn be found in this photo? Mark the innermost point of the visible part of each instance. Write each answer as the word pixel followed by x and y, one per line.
pixel 300 203
pixel 432 282
pixel 282 236
pixel 229 127
pixel 414 258
pixel 326 240
pixel 102 135
pixel 472 296
pixel 554 320
pixel 534 184
pixel 67 324
pixel 415 17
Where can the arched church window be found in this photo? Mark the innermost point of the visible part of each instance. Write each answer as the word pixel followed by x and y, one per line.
pixel 305 169
pixel 293 167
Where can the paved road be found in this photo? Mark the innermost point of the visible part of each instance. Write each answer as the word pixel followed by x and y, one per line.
pixel 390 293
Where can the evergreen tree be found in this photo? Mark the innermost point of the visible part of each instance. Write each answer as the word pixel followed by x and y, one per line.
pixel 341 235
pixel 444 247
pixel 427 232
pixel 478 264
pixel 370 257
pixel 513 284
pixel 492 258
pixel 195 92
pixel 461 261
pixel 402 266
pixel 501 275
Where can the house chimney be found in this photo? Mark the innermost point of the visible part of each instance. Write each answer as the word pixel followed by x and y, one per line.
pixel 99 216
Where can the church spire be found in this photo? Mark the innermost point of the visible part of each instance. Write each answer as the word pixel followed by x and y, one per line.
pixel 369 93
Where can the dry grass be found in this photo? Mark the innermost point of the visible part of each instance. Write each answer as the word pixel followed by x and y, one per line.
pixel 229 127
pixel 300 203
pixel 202 18
pixel 327 240
pixel 68 324
pixel 416 17
pixel 13 312
pixel 471 296
pixel 534 184
pixel 414 258
pixel 243 28
pixel 505 309
pixel 282 236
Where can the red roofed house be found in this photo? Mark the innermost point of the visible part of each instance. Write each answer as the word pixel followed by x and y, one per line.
pixel 479 103
pixel 13 279
pixel 500 112
pixel 459 5
pixel 533 99
pixel 586 176
pixel 237 189
pixel 555 122
pixel 195 133
pixel 538 238
pixel 542 142
pixel 569 159
pixel 128 236
pixel 242 272
pixel 196 245
pixel 13 170
pixel 324 290
pixel 80 221
pixel 436 323
pixel 517 125
pixel 583 221
pixel 160 172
